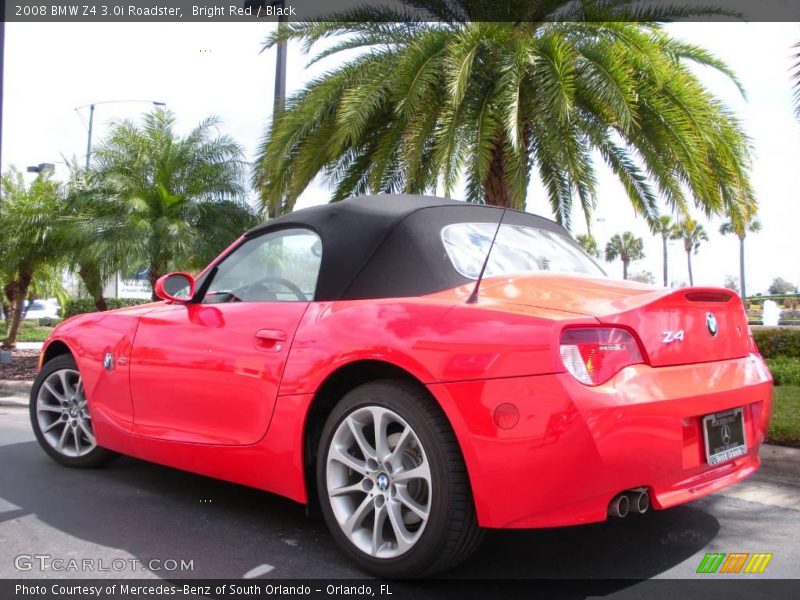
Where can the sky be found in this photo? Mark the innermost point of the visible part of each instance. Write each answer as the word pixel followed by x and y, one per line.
pixel 199 69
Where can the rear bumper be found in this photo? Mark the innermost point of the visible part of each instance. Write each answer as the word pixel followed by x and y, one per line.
pixel 576 447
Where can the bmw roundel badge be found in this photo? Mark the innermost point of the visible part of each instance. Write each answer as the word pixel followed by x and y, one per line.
pixel 711 323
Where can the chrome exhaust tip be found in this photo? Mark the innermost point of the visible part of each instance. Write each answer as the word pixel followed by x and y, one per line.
pixel 639 501
pixel 619 506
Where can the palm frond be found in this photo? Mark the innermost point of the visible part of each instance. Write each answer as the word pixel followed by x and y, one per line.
pixel 496 105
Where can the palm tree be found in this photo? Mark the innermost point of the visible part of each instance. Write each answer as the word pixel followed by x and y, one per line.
pixel 29 217
pixel 589 244
pixel 664 226
pixel 426 106
pixel 627 247
pixel 692 233
pixel 741 229
pixel 163 201
pixel 88 254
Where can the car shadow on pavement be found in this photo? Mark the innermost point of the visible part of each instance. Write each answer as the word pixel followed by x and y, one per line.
pixel 636 547
pixel 153 512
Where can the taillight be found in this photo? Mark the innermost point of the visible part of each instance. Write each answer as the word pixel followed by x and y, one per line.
pixel 753 346
pixel 594 355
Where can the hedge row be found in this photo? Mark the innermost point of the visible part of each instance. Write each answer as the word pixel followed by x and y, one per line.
pixel 785 371
pixel 786 299
pixel 79 306
pixel 778 342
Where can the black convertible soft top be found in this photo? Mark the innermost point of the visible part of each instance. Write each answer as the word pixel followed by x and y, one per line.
pixel 390 246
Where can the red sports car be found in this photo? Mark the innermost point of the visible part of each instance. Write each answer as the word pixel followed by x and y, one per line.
pixel 340 356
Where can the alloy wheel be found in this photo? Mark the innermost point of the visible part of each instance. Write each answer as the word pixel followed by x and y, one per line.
pixel 378 482
pixel 63 415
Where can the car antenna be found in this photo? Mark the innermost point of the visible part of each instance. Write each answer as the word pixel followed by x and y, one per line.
pixel 473 297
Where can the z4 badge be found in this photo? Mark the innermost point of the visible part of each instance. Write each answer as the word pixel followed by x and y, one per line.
pixel 672 336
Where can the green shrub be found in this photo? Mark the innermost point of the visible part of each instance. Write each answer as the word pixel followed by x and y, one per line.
pixel 778 342
pixel 785 371
pixel 785 300
pixel 48 322
pixel 79 306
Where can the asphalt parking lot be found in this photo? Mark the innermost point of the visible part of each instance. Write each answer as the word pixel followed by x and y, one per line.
pixel 137 511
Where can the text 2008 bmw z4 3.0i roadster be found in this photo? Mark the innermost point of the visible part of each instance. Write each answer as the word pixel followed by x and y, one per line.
pixel 340 356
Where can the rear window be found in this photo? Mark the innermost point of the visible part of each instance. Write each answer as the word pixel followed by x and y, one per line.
pixel 518 249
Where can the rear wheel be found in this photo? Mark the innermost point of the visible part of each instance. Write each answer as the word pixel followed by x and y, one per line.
pixel 392 482
pixel 60 416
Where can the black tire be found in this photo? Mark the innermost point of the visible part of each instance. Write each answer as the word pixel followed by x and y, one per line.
pixel 94 458
pixel 451 532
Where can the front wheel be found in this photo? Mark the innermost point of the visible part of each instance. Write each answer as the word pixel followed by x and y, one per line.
pixel 60 416
pixel 392 482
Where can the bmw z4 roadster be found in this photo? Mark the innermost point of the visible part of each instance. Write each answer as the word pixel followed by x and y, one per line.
pixel 344 357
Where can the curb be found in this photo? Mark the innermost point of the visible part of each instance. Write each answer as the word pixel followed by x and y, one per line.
pixel 13 387
pixel 14 402
pixel 782 461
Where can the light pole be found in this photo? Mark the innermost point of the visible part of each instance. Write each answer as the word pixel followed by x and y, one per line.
pixel 2 62
pixel 91 119
pixel 89 145
pixel 279 102
pixel 279 97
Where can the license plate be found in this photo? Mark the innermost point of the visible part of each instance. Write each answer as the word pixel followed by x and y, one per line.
pixel 724 436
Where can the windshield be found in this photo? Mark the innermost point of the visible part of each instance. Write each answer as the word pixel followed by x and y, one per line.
pixel 517 250
pixel 276 267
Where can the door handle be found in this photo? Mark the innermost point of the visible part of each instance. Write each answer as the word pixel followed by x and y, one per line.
pixel 271 340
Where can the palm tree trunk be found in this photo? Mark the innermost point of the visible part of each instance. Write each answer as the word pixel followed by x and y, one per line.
pixel 742 289
pixel 153 275
pixel 272 210
pixel 100 303
pixel 664 241
pixel 689 261
pixel 10 290
pixel 19 290
pixel 94 285
pixel 624 269
pixel 8 299
pixel 494 186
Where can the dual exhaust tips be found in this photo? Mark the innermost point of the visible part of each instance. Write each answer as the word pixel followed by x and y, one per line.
pixel 637 501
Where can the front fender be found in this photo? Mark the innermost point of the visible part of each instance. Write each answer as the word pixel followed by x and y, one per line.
pixel 89 338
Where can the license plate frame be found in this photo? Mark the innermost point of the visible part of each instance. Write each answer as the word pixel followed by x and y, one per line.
pixel 723 445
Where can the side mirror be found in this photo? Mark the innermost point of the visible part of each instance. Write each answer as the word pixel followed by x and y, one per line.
pixel 175 287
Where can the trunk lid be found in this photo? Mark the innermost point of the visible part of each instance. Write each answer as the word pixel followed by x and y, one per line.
pixel 683 326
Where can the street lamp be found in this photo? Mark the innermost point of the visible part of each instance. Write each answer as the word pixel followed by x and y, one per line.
pixel 91 119
pixel 42 168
